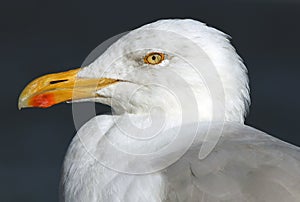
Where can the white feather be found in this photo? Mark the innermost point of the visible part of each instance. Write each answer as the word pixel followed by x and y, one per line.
pixel 246 164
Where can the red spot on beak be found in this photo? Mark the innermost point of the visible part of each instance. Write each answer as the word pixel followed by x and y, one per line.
pixel 42 100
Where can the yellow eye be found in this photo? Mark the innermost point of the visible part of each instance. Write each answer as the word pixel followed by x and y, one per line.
pixel 154 58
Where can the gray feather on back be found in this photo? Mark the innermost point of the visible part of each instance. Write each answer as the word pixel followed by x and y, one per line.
pixel 246 165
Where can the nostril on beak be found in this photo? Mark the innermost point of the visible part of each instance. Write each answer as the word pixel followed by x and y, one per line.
pixel 58 81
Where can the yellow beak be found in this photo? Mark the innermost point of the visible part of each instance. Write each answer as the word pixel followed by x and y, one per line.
pixel 52 89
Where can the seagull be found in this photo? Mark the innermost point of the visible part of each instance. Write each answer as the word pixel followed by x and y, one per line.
pixel 179 95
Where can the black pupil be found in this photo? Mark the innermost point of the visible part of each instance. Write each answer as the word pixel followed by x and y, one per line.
pixel 153 57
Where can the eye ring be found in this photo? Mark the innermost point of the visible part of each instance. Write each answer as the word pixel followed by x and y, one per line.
pixel 154 58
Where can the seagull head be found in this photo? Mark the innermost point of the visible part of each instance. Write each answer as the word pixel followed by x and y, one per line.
pixel 171 65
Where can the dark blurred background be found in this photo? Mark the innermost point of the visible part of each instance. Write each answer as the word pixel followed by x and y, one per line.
pixel 38 37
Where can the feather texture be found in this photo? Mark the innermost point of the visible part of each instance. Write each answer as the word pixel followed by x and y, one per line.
pixel 246 165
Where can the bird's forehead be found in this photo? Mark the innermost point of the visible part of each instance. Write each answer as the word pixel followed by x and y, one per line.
pixel 148 39
pixel 174 38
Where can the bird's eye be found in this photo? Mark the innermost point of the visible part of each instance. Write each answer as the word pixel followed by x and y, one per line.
pixel 154 58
